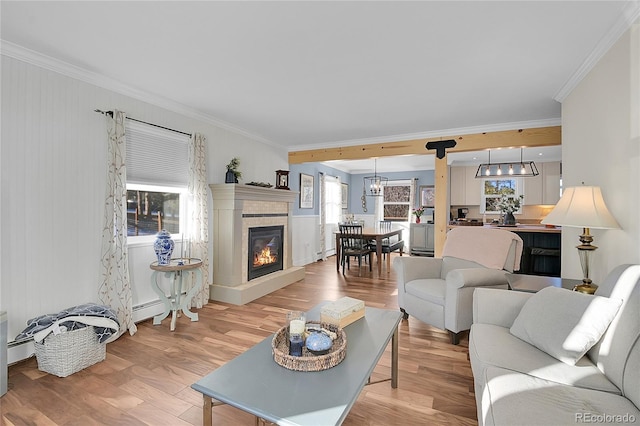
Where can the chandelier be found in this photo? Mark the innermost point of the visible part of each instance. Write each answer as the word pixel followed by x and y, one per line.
pixel 373 184
pixel 522 168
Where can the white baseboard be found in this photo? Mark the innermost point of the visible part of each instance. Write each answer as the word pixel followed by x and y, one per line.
pixel 147 310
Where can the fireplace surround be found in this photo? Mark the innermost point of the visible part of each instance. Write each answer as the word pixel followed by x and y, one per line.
pixel 236 209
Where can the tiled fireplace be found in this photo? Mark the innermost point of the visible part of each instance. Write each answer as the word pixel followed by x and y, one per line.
pixel 247 220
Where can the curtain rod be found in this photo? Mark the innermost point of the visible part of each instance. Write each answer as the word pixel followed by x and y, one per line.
pixel 110 113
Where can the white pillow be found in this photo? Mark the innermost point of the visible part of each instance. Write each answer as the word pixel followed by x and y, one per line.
pixel 565 324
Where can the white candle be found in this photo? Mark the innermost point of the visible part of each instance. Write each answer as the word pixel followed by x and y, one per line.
pixel 296 326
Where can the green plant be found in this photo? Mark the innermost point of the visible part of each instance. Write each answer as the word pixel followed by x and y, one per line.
pixel 233 167
pixel 509 204
pixel 418 212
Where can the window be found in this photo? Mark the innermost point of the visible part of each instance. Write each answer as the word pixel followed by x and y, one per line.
pixel 397 201
pixel 494 189
pixel 153 208
pixel 333 199
pixel 157 179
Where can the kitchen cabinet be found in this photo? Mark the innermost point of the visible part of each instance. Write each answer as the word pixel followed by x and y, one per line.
pixel 421 239
pixel 465 189
pixel 544 188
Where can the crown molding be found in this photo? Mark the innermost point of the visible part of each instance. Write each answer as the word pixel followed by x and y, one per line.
pixel 630 14
pixel 32 57
pixel 432 134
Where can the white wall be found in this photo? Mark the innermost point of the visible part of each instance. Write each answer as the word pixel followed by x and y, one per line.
pixel 601 147
pixel 53 182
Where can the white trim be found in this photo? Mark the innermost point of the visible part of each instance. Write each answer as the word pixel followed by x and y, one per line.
pixel 630 14
pixel 32 57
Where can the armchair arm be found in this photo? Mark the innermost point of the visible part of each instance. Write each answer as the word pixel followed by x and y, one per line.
pixel 461 284
pixel 411 268
pixel 498 307
pixel 476 277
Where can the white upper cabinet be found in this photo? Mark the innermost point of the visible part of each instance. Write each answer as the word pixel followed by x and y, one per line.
pixel 551 182
pixel 544 188
pixel 465 188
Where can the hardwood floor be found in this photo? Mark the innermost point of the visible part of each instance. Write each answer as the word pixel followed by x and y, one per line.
pixel 146 378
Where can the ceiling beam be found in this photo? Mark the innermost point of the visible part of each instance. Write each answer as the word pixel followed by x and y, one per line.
pixel 521 138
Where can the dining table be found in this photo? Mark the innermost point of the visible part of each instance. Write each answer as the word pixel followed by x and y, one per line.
pixel 371 233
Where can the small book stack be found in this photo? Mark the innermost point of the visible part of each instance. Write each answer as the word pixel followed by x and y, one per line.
pixel 342 312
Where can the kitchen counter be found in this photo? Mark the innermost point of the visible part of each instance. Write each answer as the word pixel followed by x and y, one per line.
pixel 518 228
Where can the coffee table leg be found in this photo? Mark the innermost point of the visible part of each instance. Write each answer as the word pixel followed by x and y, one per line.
pixel 394 359
pixel 206 411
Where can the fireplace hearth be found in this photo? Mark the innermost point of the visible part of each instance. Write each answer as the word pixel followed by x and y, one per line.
pixel 265 251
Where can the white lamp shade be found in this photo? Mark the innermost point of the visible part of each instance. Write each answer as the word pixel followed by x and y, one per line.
pixel 582 207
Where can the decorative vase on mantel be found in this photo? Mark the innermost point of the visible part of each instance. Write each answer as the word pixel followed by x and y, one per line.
pixel 417 219
pixel 509 219
pixel 230 177
pixel 163 246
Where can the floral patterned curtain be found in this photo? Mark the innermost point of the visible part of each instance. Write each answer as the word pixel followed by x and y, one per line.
pixel 198 224
pixel 115 289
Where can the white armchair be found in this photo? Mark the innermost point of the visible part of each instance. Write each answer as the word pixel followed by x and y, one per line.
pixel 439 291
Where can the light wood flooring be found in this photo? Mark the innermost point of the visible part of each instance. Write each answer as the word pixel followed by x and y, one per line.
pixel 146 378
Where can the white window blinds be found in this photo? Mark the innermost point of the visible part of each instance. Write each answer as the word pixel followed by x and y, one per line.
pixel 156 156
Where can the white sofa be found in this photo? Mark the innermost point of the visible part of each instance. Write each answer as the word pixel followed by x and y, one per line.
pixel 518 384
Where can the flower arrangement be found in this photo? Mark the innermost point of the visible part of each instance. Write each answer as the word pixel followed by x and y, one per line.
pixel 509 204
pixel 418 212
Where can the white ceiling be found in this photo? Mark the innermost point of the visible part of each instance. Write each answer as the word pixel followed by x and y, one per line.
pixel 305 74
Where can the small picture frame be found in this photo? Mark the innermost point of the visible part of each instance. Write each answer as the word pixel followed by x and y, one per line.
pixel 306 191
pixel 345 196
pixel 427 196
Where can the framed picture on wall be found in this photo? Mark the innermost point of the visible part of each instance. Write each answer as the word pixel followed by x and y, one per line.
pixel 345 196
pixel 427 196
pixel 306 191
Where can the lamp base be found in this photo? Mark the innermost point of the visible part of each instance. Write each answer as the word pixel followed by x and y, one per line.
pixel 586 288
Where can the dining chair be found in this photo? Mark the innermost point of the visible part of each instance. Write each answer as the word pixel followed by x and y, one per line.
pixel 353 244
pixel 389 245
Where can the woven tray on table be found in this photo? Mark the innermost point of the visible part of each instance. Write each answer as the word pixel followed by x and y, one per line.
pixel 69 352
pixel 309 361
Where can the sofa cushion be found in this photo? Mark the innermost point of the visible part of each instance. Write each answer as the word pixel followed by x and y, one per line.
pixel 494 346
pixel 431 289
pixel 565 324
pixel 511 398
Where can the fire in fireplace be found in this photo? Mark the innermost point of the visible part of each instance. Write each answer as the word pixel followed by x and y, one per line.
pixel 265 250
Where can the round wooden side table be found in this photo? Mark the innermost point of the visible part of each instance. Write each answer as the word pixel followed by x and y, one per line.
pixel 176 302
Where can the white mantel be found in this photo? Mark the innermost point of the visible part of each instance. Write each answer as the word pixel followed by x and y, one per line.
pixel 236 208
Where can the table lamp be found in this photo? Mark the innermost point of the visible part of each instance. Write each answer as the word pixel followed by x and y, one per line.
pixel 583 207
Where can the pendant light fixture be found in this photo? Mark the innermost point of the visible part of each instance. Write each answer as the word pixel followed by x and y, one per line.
pixel 373 184
pixel 522 169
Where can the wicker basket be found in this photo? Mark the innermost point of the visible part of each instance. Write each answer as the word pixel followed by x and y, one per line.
pixel 69 352
pixel 308 361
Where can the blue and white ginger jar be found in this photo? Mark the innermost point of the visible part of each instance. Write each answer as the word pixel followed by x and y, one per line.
pixel 163 247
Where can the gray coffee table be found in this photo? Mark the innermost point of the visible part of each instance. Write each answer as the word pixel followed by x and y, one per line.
pixel 254 383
